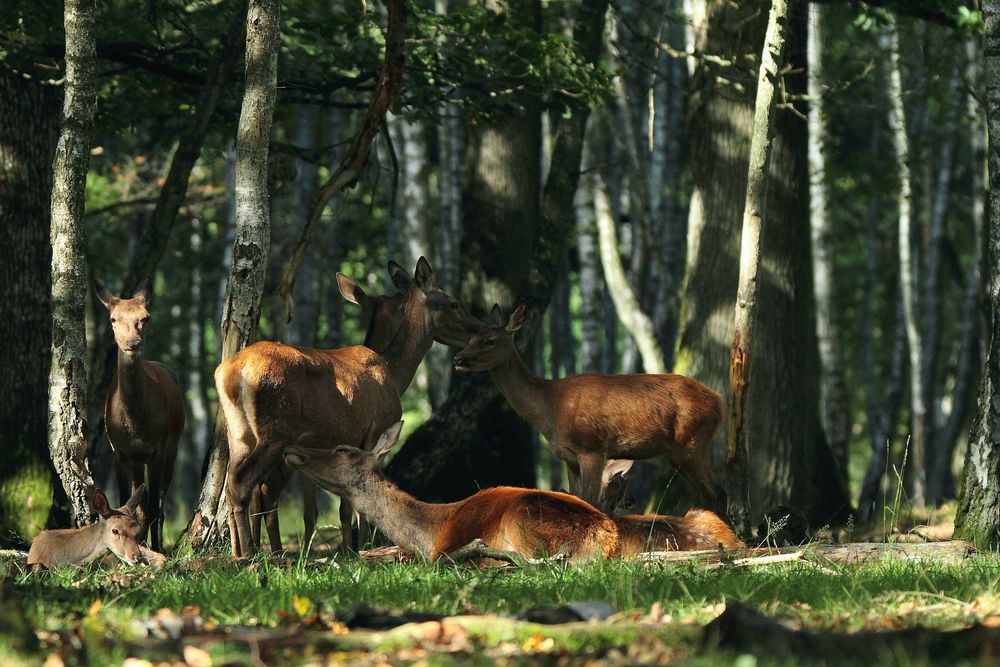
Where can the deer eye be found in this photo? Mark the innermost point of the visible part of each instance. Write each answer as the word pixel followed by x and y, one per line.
pixel 454 305
pixel 113 320
pixel 114 531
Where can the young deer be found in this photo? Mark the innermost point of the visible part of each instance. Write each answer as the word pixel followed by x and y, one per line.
pixel 144 410
pixel 588 419
pixel 382 315
pixel 273 393
pixel 115 530
pixel 528 522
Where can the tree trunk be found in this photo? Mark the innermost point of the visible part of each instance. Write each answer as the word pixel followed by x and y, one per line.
pixel 908 271
pixel 252 233
pixel 978 515
pixel 305 326
pixel 591 274
pixel 792 462
pixel 67 377
pixel 28 133
pixel 834 399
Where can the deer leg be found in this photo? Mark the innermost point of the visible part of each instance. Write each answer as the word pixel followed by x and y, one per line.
pixel 123 474
pixel 699 475
pixel 346 520
pixel 309 510
pixel 270 492
pixel 573 476
pixel 591 470
pixel 153 516
pixel 243 478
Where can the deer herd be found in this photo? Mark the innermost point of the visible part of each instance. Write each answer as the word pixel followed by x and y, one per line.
pixel 333 416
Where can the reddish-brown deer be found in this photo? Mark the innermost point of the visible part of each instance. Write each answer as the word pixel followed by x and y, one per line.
pixel 381 315
pixel 116 530
pixel 588 419
pixel 144 410
pixel 273 393
pixel 526 521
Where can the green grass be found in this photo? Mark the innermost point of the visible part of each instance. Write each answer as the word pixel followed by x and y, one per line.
pixel 876 596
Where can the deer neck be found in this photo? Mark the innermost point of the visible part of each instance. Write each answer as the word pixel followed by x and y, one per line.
pixel 408 522
pixel 79 546
pixel 130 384
pixel 528 394
pixel 412 341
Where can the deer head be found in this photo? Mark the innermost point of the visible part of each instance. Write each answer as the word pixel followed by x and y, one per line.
pixel 344 469
pixel 129 317
pixel 119 527
pixel 494 344
pixel 451 324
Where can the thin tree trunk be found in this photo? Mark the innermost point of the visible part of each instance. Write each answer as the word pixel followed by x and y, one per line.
pixel 28 132
pixel 591 274
pixel 834 400
pixel 978 515
pixel 740 387
pixel 251 239
pixel 68 378
pixel 196 381
pixel 908 272
pixel 307 288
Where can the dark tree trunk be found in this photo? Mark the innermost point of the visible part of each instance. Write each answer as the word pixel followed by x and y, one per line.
pixel 29 128
pixel 792 462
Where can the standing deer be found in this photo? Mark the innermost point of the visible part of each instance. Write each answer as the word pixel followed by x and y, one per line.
pixel 588 419
pixel 115 530
pixel 272 393
pixel 528 522
pixel 144 410
pixel 382 315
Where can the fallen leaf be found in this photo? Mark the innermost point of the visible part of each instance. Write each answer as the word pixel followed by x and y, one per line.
pixel 95 607
pixel 197 657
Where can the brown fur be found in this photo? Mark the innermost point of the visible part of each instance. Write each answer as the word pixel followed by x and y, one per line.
pixel 144 410
pixel 698 529
pixel 273 393
pixel 589 419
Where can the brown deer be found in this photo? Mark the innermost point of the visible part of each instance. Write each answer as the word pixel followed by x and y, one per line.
pixel 588 419
pixel 382 315
pixel 273 393
pixel 698 529
pixel 116 530
pixel 528 522
pixel 144 410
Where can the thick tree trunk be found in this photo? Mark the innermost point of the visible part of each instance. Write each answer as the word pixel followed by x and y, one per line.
pixel 791 463
pixel 29 129
pixel 978 515
pixel 252 233
pixel 67 377
pixel 908 272
pixel 834 400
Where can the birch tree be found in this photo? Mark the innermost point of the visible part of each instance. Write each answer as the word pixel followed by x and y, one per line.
pixel 67 377
pixel 252 233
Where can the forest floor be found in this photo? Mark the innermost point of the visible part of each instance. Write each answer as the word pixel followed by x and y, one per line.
pixel 278 610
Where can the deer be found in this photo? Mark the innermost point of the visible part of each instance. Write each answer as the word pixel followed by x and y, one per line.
pixel 527 522
pixel 271 393
pixel 589 419
pixel 382 315
pixel 115 531
pixel 144 409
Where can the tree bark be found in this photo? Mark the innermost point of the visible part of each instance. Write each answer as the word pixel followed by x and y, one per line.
pixel 792 462
pixel 591 275
pixel 834 399
pixel 67 377
pixel 251 239
pixel 978 514
pixel 28 133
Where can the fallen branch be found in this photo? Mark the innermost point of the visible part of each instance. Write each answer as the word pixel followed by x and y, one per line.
pixel 862 552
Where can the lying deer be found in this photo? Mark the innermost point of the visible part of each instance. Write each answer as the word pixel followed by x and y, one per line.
pixel 273 393
pixel 528 522
pixel 144 410
pixel 382 315
pixel 115 530
pixel 588 419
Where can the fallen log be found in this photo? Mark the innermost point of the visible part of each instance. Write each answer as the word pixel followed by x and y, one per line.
pixel 862 552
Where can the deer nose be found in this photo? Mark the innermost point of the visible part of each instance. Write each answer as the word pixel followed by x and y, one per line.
pixel 458 361
pixel 135 344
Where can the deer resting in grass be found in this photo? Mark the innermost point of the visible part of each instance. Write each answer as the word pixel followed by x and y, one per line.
pixel 273 393
pixel 116 530
pixel 382 315
pixel 528 522
pixel 144 410
pixel 589 419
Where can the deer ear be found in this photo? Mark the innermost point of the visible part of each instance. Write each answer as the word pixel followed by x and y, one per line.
pixel 399 277
pixel 387 441
pixel 423 277
pixel 350 290
pixel 495 318
pixel 101 504
pixel 144 291
pixel 516 320
pixel 616 467
pixel 136 499
pixel 104 294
